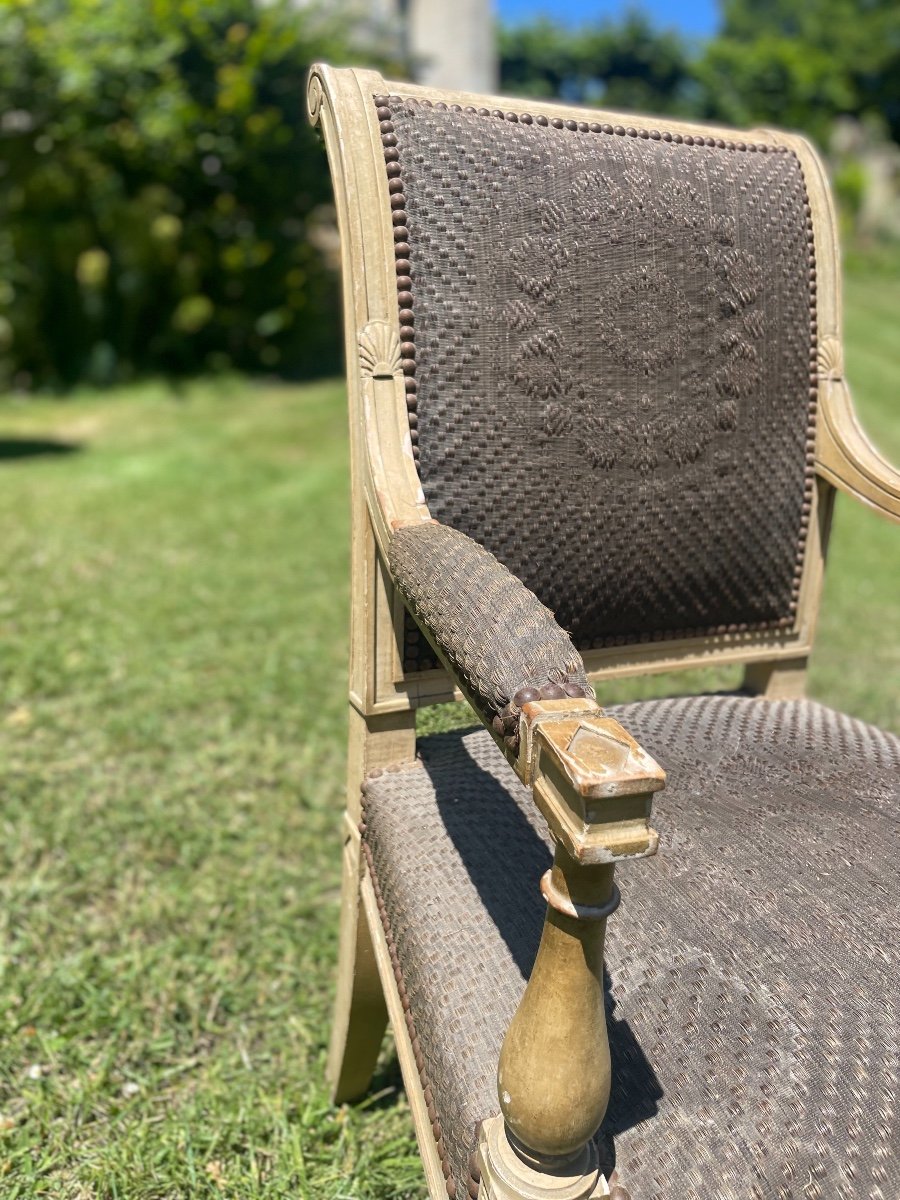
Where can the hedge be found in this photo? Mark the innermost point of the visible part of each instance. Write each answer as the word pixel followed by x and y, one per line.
pixel 160 190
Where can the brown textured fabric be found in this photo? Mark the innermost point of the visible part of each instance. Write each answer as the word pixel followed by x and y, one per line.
pixel 611 330
pixel 495 632
pixel 417 654
pixel 753 964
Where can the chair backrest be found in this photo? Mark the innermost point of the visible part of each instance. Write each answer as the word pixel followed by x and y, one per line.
pixel 608 332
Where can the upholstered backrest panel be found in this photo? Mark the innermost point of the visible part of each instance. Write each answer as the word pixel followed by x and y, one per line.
pixel 607 335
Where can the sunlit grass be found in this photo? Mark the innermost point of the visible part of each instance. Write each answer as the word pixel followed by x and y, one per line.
pixel 173 613
pixel 173 640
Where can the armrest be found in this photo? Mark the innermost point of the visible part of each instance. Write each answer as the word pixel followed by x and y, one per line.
pixel 503 647
pixel 846 457
pixel 591 780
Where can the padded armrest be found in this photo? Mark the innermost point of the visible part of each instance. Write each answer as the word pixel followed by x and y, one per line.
pixel 502 644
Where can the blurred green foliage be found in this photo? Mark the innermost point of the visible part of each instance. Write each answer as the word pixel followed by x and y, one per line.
pixel 794 63
pixel 627 64
pixel 160 190
pixel 164 205
pixel 801 63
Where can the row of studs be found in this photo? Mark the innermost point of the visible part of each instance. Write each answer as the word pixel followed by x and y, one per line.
pixel 743 632
pixel 687 139
pixel 506 723
pixel 809 481
pixel 437 1131
pixel 401 261
pixel 384 105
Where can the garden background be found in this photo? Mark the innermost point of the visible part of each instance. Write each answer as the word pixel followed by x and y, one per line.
pixel 173 592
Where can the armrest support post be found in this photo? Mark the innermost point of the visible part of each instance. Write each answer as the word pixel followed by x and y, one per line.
pixel 554 1077
pixel 594 784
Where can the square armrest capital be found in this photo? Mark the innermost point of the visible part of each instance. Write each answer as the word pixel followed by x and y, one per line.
pixel 592 781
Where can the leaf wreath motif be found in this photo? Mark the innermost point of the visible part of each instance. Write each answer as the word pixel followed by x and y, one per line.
pixel 538 265
pixel 551 215
pixel 742 278
pixel 677 201
pixel 596 197
pixel 738 377
pixel 519 315
pixel 754 323
pixel 723 229
pixel 654 431
pixel 602 198
pixel 536 369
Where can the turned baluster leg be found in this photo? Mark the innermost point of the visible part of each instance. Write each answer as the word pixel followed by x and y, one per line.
pixel 553 1077
pixel 554 1074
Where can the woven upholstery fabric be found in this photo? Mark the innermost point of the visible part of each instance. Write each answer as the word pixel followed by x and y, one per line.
pixel 614 333
pixel 754 983
pixel 494 631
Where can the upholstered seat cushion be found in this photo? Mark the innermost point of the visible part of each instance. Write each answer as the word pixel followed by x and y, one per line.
pixel 754 985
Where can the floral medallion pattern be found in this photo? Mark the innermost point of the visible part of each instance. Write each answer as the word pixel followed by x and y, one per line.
pixel 644 317
pixel 613 331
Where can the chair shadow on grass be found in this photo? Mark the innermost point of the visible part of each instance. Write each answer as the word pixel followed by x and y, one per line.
pixel 13 448
pixel 506 876
pixel 386 1085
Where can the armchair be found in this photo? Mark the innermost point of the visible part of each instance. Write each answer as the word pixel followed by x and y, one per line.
pixel 594 371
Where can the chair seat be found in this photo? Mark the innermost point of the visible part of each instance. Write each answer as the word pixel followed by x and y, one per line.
pixel 753 983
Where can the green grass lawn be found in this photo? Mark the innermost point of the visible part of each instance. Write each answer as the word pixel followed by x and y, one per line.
pixel 173 614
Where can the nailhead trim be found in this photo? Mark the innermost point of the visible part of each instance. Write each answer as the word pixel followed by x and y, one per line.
pixel 813 411
pixel 436 1130
pixel 402 264
pixel 506 723
pixel 384 111
pixel 385 105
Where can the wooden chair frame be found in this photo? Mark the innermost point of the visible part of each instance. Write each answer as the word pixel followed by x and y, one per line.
pixel 386 495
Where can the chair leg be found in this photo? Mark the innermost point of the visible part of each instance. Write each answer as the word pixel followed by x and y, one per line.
pixel 360 1015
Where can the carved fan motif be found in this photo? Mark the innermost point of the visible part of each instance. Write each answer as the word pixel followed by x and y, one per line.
pixel 379 351
pixel 830 359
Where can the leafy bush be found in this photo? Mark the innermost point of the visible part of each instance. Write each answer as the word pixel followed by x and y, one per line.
pixel 780 62
pixel 800 65
pixel 619 64
pixel 160 190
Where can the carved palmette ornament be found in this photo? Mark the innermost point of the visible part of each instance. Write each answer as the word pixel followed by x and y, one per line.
pixel 830 359
pixel 379 351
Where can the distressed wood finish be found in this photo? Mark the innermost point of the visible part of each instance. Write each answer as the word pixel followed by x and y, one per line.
pixel 379 437
pixel 360 1016
pixel 592 782
pixel 846 457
